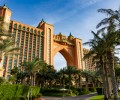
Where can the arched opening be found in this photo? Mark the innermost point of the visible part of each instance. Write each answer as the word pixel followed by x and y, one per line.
pixel 59 61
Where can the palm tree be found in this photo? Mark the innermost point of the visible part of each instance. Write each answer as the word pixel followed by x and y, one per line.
pixel 112 40
pixel 98 53
pixel 14 72
pixel 44 73
pixel 117 74
pixel 71 71
pixel 113 17
pixel 60 78
pixel 50 75
pixel 79 78
pixel 86 75
pixel 31 67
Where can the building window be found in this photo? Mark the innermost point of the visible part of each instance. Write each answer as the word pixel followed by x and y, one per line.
pixel 23 28
pixel 19 27
pixel 39 33
pixel 15 25
pixel 28 29
pixel 31 30
pixel 35 31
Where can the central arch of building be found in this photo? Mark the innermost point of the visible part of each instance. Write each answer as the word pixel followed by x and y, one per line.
pixel 70 47
pixel 41 42
pixel 65 52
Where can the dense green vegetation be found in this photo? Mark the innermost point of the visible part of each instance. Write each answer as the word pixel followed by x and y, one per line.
pixel 103 48
pixel 10 92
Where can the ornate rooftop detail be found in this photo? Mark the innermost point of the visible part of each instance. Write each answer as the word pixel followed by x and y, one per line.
pixel 70 34
pixel 42 20
pixel 4 6
pixel 63 39
pixel 70 37
pixel 41 23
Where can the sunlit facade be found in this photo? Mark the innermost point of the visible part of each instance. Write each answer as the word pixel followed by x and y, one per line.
pixel 40 42
pixel 89 65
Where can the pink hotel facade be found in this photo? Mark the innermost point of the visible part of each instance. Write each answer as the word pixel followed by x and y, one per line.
pixel 41 42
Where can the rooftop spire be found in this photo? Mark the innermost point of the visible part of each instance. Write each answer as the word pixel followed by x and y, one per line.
pixel 70 34
pixel 42 20
pixel 4 6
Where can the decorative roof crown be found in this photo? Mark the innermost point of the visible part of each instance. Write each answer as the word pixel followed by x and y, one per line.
pixel 42 20
pixel 4 6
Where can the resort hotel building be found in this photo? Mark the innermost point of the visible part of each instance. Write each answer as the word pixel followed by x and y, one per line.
pixel 41 42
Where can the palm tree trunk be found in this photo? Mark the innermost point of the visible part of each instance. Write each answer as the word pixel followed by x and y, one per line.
pixel 104 79
pixel 107 82
pixel 112 74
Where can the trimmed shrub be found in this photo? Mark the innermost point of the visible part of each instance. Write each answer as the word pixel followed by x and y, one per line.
pixel 17 98
pixel 84 89
pixel 19 90
pixel 13 92
pixel 39 95
pixel 57 92
pixel 75 92
pixel 52 90
pixel 99 91
pixel 91 89
pixel 22 90
pixel 35 90
pixel 7 90
pixel 79 90
pixel 25 90
pixel 2 80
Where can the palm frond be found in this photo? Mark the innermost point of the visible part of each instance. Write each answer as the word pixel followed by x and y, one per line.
pixel 109 12
pixel 103 22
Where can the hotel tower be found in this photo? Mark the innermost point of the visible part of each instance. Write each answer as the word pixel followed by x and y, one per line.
pixel 39 42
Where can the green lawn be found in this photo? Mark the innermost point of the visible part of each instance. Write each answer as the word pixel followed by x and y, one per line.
pixel 98 97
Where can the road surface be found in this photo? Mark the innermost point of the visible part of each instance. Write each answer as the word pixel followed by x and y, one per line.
pixel 81 97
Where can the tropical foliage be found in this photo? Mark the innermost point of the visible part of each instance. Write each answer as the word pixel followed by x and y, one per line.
pixel 103 46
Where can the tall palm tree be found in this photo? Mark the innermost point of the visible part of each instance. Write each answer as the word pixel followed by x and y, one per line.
pixel 112 40
pixel 97 52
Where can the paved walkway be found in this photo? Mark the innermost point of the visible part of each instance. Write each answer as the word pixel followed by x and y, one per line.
pixel 81 97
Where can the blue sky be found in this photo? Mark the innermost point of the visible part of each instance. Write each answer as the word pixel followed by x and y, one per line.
pixel 76 16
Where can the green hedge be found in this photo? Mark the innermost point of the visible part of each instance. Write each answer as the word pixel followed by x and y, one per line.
pixel 91 89
pixel 35 91
pixel 10 91
pixel 51 90
pixel 57 92
pixel 99 91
